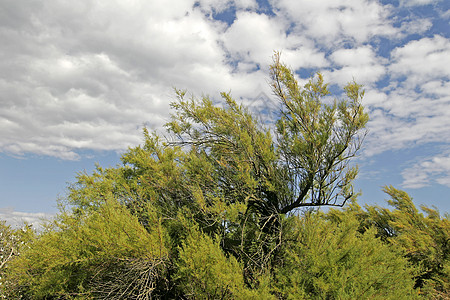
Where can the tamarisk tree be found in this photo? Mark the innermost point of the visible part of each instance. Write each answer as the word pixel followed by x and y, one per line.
pixel 305 164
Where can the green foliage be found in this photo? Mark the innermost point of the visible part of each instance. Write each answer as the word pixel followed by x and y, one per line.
pixel 68 259
pixel 423 239
pixel 316 140
pixel 327 259
pixel 205 272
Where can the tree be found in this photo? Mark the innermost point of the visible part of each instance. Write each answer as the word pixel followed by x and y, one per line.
pixel 424 240
pixel 307 164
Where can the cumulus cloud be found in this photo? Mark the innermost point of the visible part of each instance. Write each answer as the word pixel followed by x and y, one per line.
pixel 253 37
pixel 87 75
pixel 216 6
pixel 421 61
pixel 359 63
pixel 410 3
pixel 427 171
pixel 333 22
pixel 414 108
pixel 17 219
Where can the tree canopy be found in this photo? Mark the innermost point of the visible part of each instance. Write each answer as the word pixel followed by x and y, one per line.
pixel 221 208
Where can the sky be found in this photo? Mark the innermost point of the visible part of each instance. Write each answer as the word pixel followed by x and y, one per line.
pixel 80 79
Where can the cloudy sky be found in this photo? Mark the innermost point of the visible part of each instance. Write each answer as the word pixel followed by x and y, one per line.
pixel 79 80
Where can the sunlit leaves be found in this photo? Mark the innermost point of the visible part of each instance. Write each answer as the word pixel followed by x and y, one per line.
pixel 79 250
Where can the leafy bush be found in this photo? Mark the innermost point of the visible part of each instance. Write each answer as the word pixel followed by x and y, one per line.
pixel 331 260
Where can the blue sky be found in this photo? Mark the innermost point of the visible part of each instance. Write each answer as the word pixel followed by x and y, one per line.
pixel 79 80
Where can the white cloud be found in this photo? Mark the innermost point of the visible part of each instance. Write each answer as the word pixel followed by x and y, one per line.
pixel 334 22
pixel 361 64
pixel 414 108
pixel 304 56
pixel 415 25
pixel 374 97
pixel 422 60
pixel 410 3
pixel 17 219
pixel 253 37
pixel 438 88
pixel 220 5
pixel 445 14
pixel 430 170
pixel 405 121
pixel 87 75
